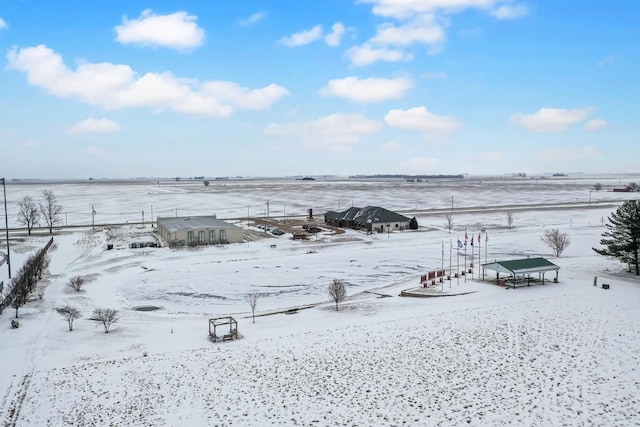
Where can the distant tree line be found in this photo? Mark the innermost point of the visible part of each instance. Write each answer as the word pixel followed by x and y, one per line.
pixel 409 176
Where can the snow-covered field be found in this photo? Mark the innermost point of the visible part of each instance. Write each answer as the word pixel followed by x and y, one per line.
pixel 553 354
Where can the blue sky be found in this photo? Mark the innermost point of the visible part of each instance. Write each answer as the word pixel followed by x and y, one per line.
pixel 124 89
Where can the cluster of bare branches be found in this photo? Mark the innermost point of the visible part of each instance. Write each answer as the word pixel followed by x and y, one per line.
pixel 106 316
pixel 337 291
pixel 30 212
pixel 76 283
pixel 70 314
pixel 556 240
pixel 252 298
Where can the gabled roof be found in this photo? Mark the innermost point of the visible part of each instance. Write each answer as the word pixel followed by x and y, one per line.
pixel 521 266
pixel 369 214
pixel 173 224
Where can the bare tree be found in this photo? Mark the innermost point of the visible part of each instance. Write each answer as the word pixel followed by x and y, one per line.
pixel 252 298
pixel 597 186
pixel 337 291
pixel 106 316
pixel 28 213
pixel 556 240
pixel 70 314
pixel 509 218
pixel 50 209
pixel 449 219
pixel 76 283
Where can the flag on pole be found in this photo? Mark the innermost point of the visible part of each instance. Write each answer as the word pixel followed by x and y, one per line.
pixel 472 242
pixel 459 244
pixel 486 237
pixel 443 248
pixel 478 237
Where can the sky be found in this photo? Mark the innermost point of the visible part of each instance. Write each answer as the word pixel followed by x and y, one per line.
pixel 121 89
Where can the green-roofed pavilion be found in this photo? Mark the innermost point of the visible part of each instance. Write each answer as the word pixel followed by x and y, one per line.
pixel 520 271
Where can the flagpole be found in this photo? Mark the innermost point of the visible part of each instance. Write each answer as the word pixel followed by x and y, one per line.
pixel 465 255
pixel 458 263
pixel 442 267
pixel 479 256
pixel 450 250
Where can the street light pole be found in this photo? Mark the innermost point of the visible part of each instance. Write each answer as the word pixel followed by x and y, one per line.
pixel 6 225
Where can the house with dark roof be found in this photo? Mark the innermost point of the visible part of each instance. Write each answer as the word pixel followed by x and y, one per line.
pixel 370 218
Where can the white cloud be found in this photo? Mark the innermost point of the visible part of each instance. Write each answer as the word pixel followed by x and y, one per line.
pixel 550 119
pixel 116 86
pixel 256 17
pixel 424 29
pixel 367 90
pixel 303 37
pixel 421 165
pixel 392 38
pixel 509 11
pixel 564 154
pixel 419 119
pixel 336 132
pixel 177 30
pixel 3 24
pixel 29 143
pixel 368 54
pixel 91 125
pixel 335 36
pixel 493 156
pixel 404 8
pixel 606 61
pixel 243 97
pixel 595 124
pixel 391 146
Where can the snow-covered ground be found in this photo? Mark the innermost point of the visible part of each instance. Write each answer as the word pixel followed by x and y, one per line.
pixel 562 353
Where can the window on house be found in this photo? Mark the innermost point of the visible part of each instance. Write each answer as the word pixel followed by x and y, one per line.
pixel 212 237
pixel 201 237
pixel 223 236
pixel 190 237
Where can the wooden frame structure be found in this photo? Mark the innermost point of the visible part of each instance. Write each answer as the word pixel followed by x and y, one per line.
pixel 222 321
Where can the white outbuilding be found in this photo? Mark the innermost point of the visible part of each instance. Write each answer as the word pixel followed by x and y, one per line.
pixel 198 231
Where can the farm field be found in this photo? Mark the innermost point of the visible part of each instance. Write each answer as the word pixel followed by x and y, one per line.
pixel 561 353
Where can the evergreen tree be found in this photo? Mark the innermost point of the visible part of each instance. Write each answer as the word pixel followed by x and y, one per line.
pixel 622 238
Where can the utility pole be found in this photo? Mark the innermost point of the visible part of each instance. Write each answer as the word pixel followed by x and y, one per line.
pixel 6 225
pixel 267 209
pixel 93 218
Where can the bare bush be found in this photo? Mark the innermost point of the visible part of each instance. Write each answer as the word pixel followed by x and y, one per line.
pixel 597 186
pixel 252 298
pixel 509 218
pixel 337 291
pixel 76 283
pixel 70 314
pixel 106 316
pixel 556 240
pixel 449 219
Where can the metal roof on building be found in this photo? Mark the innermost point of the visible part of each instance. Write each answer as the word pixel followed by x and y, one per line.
pixel 173 224
pixel 521 266
pixel 372 214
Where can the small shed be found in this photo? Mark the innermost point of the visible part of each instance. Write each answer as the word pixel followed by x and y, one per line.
pixel 520 271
